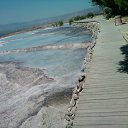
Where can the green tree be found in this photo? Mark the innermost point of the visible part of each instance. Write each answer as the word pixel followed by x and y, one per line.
pixel 60 23
pixel 70 21
pixel 56 24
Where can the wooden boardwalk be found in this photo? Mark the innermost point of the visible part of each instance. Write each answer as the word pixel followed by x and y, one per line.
pixel 104 100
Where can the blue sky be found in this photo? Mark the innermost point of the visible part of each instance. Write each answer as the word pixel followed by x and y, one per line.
pixel 12 11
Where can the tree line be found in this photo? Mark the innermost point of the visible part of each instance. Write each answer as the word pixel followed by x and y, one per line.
pixel 89 15
pixel 56 24
pixel 61 23
pixel 116 7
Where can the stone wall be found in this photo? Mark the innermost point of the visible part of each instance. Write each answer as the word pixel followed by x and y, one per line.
pixel 94 27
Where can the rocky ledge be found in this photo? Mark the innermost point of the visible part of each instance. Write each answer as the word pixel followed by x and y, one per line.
pixel 25 101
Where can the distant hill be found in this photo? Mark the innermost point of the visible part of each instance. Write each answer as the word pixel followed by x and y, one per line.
pixel 14 27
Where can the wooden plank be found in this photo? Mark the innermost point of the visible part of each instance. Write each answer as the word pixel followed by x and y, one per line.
pixel 104 100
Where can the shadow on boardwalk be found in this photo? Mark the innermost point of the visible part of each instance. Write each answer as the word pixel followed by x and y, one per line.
pixel 124 64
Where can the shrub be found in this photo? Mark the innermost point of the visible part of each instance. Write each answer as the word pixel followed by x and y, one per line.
pixel 90 15
pixel 107 12
pixel 77 18
pixel 60 23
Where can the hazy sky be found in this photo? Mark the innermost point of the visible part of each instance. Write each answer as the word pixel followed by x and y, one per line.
pixel 12 11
